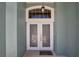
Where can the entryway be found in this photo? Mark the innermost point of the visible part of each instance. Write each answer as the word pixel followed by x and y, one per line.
pixel 39 25
pixel 39 35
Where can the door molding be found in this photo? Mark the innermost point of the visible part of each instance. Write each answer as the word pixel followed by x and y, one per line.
pixel 39 6
pixel 39 21
pixel 39 26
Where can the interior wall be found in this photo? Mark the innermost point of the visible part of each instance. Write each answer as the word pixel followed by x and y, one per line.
pixel 72 29
pixel 11 29
pixel 30 4
pixel 21 28
pixel 77 28
pixel 2 30
pixel 66 29
pixel 15 29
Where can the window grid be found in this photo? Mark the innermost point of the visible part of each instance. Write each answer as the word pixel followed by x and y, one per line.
pixel 37 13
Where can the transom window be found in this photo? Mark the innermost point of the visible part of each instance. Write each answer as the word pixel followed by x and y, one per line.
pixel 37 13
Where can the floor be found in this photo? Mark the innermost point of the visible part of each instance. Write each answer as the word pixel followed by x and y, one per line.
pixel 36 54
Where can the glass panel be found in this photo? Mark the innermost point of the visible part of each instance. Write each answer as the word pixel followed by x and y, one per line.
pixel 46 35
pixel 39 16
pixel 37 13
pixel 33 35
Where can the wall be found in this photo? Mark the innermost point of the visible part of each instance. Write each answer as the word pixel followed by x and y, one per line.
pixel 15 29
pixel 77 28
pixel 30 4
pixel 11 29
pixel 2 30
pixel 66 29
pixel 21 29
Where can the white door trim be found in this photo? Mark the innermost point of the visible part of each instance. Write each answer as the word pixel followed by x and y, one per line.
pixel 28 38
pixel 51 38
pixel 39 31
pixel 47 21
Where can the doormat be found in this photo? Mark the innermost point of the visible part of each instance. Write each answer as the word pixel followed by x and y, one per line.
pixel 46 53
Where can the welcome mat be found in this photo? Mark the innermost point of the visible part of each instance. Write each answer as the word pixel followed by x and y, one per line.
pixel 46 53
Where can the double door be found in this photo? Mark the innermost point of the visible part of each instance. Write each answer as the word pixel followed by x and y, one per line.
pixel 39 36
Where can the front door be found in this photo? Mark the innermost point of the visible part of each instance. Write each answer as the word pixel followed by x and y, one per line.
pixel 39 36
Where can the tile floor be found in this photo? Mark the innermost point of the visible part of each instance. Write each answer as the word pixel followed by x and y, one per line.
pixel 36 54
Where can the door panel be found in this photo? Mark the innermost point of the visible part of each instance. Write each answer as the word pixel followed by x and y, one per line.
pixel 33 35
pixel 46 35
pixel 38 37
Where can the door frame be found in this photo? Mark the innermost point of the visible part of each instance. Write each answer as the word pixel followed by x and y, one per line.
pixel 28 38
pixel 39 47
pixel 47 21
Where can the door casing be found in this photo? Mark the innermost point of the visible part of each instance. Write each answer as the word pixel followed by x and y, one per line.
pixel 39 27
pixel 39 22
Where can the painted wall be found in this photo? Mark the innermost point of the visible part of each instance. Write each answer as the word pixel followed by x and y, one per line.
pixel 21 29
pixel 66 29
pixel 11 29
pixel 2 30
pixel 15 29
pixel 30 4
pixel 77 28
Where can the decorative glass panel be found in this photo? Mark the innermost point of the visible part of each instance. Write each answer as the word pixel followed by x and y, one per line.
pixel 33 35
pixel 37 13
pixel 46 35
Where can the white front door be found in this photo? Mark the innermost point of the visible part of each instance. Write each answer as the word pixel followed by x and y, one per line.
pixel 39 36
